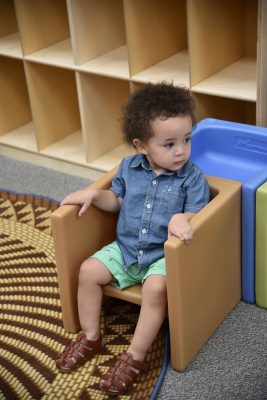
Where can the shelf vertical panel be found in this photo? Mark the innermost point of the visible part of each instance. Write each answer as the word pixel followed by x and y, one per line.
pixel 41 23
pixel 225 108
pixel 155 30
pixel 14 100
pixel 101 99
pixel 262 65
pixel 97 27
pixel 54 101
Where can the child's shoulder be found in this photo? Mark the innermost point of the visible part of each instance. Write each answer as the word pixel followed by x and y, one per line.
pixel 194 168
pixel 194 172
pixel 132 160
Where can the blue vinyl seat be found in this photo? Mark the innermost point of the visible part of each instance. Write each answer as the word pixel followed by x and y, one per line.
pixel 236 151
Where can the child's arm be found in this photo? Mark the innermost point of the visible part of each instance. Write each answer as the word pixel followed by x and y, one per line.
pixel 104 199
pixel 179 226
pixel 197 196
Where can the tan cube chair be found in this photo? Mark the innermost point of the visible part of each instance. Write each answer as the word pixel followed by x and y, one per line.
pixel 203 278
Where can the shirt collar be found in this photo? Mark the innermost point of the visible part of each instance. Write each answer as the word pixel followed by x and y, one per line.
pixel 140 159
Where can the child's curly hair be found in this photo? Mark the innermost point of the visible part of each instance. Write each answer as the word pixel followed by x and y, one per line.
pixel 155 100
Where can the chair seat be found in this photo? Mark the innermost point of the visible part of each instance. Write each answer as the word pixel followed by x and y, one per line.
pixel 131 294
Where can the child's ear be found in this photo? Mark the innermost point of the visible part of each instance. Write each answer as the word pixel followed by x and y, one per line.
pixel 140 146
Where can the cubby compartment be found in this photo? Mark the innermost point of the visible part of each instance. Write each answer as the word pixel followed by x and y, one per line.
pixel 137 86
pixel 223 47
pixel 98 36
pixel 218 107
pixel 16 127
pixel 101 99
pixel 225 108
pixel 44 31
pixel 54 101
pixel 9 36
pixel 157 40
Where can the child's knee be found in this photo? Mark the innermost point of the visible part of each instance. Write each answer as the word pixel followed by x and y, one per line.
pixel 95 272
pixel 155 286
pixel 86 269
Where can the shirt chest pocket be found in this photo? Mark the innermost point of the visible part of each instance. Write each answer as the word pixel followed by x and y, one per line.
pixel 172 199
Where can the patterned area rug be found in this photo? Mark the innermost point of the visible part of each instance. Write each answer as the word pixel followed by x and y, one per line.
pixel 31 331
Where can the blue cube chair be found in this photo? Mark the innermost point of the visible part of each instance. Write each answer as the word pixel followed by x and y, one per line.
pixel 236 151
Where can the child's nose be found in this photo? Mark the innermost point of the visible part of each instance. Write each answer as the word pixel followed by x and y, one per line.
pixel 179 149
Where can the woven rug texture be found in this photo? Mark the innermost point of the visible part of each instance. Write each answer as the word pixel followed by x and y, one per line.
pixel 31 330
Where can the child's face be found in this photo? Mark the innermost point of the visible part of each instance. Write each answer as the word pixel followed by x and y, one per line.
pixel 170 147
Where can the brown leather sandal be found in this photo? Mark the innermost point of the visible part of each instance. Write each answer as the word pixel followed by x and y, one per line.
pixel 121 375
pixel 78 352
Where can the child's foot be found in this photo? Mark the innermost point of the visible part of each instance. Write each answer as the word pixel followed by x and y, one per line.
pixel 121 375
pixel 78 352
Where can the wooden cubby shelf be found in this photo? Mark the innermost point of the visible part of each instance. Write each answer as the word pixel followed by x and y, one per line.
pixel 113 64
pixel 9 36
pixel 54 103
pixel 100 104
pixel 70 148
pixel 68 66
pixel 16 128
pixel 225 108
pixel 10 46
pixel 45 33
pixel 59 54
pixel 23 138
pixel 224 64
pixel 173 69
pixel 230 82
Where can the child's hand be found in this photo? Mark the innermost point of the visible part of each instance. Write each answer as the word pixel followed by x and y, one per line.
pixel 180 227
pixel 83 197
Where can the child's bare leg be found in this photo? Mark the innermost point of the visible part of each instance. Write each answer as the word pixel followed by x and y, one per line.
pixel 152 314
pixel 153 309
pixel 93 275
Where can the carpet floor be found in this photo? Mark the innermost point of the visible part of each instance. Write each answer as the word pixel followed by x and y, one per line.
pixel 31 331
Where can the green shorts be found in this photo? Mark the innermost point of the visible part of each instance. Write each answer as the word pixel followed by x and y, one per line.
pixel 111 257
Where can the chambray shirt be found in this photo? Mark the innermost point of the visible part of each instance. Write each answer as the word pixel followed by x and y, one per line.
pixel 149 201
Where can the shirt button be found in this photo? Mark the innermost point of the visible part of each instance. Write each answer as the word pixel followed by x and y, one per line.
pixel 148 205
pixel 154 183
pixel 144 230
pixel 140 252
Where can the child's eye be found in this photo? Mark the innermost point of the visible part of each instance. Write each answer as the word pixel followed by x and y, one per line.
pixel 187 140
pixel 168 145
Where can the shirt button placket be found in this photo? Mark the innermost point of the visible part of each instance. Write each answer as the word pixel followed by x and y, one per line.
pixel 150 195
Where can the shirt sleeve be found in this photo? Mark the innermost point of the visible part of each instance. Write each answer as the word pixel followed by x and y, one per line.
pixel 118 183
pixel 197 194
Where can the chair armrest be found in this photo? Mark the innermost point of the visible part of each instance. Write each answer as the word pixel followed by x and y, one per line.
pixel 75 239
pixel 204 278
